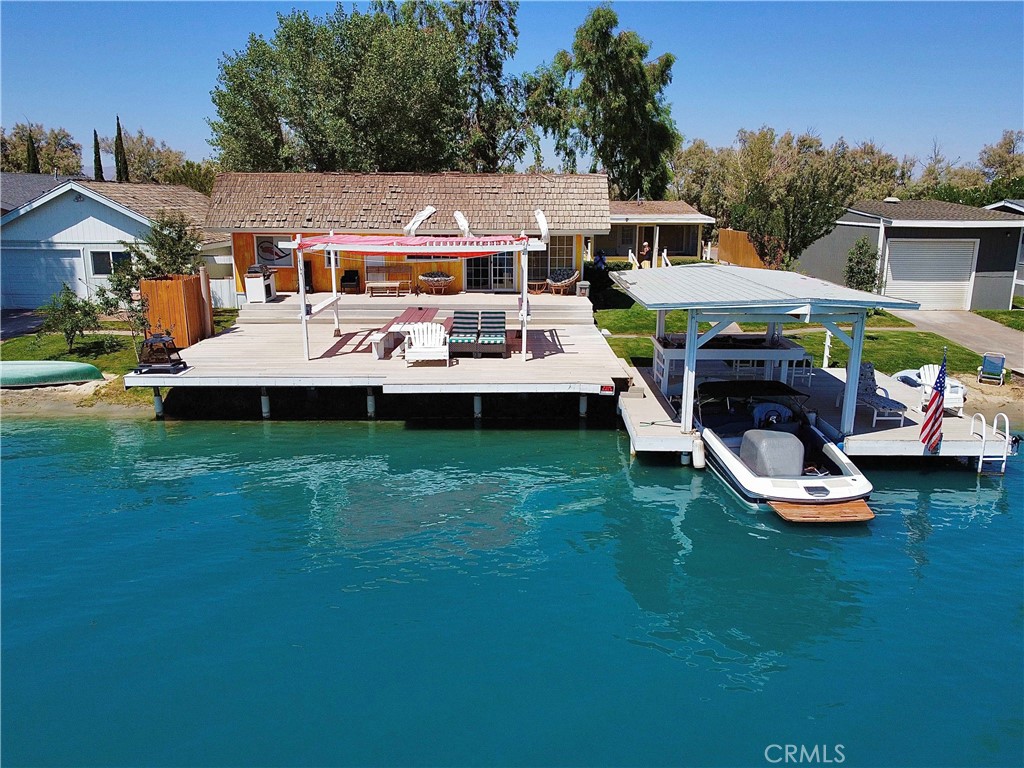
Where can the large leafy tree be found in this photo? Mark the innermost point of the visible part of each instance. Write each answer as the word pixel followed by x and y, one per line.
pixel 877 174
pixel 55 150
pixel 411 86
pixel 145 159
pixel 1005 158
pixel 198 176
pixel 606 99
pixel 700 178
pixel 788 191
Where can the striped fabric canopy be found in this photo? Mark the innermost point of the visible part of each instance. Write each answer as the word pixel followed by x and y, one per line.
pixel 460 247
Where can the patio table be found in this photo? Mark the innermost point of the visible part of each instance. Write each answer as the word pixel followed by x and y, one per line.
pixel 379 338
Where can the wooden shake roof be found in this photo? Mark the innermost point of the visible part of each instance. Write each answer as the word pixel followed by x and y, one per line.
pixel 385 202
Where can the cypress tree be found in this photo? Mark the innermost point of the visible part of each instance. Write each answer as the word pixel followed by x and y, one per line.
pixel 97 163
pixel 31 158
pixel 120 159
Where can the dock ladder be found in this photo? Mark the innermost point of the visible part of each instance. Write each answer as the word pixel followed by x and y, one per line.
pixel 996 448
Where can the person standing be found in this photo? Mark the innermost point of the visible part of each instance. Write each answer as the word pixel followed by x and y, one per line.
pixel 645 255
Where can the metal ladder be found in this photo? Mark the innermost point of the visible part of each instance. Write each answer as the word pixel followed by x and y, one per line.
pixel 994 450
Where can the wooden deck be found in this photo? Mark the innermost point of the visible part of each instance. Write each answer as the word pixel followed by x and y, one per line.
pixel 844 512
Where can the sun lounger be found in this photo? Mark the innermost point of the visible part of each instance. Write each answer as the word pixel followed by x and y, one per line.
pixel 464 332
pixel 492 334
pixel 876 398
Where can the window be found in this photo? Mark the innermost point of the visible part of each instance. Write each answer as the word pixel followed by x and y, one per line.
pixel 103 262
pixel 626 235
pixel 561 254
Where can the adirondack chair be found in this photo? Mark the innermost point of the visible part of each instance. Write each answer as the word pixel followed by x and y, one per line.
pixel 955 395
pixel 992 367
pixel 425 341
pixel 876 398
pixel 464 333
pixel 492 334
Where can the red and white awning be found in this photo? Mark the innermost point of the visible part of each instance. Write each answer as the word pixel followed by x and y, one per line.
pixel 418 245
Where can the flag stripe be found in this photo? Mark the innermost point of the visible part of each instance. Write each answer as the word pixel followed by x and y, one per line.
pixel 931 427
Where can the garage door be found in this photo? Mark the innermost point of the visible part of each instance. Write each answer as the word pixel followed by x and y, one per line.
pixel 29 278
pixel 936 273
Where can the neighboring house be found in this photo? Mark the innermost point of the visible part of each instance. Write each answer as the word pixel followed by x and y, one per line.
pixel 1014 206
pixel 942 255
pixel 670 225
pixel 261 210
pixel 72 234
pixel 16 189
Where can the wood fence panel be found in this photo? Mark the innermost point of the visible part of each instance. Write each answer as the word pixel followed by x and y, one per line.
pixel 734 247
pixel 175 304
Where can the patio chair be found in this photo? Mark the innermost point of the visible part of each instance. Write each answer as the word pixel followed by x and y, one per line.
pixel 992 367
pixel 877 398
pixel 464 333
pixel 955 395
pixel 425 341
pixel 562 280
pixel 492 334
pixel 349 281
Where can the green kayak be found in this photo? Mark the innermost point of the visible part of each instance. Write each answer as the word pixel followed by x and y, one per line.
pixel 37 373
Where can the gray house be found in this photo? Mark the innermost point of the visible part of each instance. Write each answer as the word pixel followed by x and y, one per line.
pixel 942 255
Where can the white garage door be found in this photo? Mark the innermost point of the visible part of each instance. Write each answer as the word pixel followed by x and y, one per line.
pixel 29 278
pixel 936 273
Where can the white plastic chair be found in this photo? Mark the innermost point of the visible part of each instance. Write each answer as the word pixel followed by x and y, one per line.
pixel 425 341
pixel 955 395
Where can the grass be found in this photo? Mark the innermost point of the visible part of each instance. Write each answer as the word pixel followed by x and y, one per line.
pixel 880 319
pixel 893 351
pixel 637 321
pixel 1011 318
pixel 637 351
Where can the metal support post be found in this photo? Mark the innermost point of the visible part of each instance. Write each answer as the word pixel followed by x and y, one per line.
pixel 264 402
pixel 478 407
pixel 583 406
pixel 371 404
pixel 158 403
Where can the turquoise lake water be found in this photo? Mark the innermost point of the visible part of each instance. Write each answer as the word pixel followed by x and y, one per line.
pixel 354 594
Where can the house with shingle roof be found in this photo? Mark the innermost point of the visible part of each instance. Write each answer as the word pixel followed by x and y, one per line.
pixel 16 189
pixel 259 211
pixel 669 226
pixel 72 234
pixel 941 255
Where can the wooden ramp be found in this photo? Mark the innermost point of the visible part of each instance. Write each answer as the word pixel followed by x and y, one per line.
pixel 856 511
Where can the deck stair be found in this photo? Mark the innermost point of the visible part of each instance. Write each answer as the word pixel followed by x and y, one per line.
pixel 546 311
pixel 995 444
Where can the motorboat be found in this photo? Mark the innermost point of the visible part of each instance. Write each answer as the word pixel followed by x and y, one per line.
pixel 759 438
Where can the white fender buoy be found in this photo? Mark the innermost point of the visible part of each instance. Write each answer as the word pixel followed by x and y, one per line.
pixel 698 454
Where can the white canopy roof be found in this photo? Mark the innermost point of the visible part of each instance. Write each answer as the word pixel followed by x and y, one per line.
pixel 723 287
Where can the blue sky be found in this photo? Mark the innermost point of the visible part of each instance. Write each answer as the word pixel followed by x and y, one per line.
pixel 901 74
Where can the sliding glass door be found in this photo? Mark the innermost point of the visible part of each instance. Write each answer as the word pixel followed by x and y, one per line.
pixel 491 273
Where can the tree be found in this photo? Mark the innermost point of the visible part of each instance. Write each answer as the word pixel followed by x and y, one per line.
pixel 69 315
pixel 788 192
pixel 862 266
pixel 120 160
pixel 198 176
pixel 146 159
pixel 617 112
pixel 878 174
pixel 97 161
pixel 700 178
pixel 32 160
pixel 1005 158
pixel 55 149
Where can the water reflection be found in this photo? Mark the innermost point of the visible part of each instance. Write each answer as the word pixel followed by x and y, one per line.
pixel 734 602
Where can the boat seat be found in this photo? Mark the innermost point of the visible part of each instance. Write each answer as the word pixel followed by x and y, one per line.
pixel 772 454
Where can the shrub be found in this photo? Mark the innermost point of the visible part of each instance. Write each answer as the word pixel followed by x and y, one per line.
pixel 862 266
pixel 69 315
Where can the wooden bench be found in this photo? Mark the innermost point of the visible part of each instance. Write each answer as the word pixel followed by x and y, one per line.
pixel 383 287
pixel 388 280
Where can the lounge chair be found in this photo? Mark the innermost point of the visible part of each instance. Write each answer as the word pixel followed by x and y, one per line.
pixel 955 395
pixel 464 333
pixel 425 341
pixel 492 334
pixel 562 280
pixel 992 367
pixel 876 398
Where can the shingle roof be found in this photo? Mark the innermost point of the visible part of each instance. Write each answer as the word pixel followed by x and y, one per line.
pixel 930 210
pixel 16 189
pixel 385 202
pixel 150 199
pixel 655 211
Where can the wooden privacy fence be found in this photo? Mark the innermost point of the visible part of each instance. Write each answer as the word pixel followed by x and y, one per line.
pixel 176 304
pixel 735 247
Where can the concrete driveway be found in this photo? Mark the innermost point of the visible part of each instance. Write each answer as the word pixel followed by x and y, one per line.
pixel 972 331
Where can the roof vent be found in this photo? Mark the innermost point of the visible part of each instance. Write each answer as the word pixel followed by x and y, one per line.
pixel 892 200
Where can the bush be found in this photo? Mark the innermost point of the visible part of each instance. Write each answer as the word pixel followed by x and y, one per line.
pixel 69 315
pixel 862 266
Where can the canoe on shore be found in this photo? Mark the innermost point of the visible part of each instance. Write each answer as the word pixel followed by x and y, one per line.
pixel 41 373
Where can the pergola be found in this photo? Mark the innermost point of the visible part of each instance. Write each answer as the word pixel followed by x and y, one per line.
pixel 405 245
pixel 723 294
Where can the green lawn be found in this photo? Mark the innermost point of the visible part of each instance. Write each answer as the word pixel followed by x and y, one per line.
pixel 1011 318
pixel 637 321
pixel 880 319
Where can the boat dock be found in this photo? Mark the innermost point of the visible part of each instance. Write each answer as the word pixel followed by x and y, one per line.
pixel 565 352
pixel 652 421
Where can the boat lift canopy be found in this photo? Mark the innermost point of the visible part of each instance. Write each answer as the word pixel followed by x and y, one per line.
pixel 405 245
pixel 723 294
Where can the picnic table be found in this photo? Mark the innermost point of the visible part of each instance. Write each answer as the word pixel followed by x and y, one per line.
pixel 397 325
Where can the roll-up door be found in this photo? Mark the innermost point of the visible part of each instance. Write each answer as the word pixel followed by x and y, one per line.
pixel 28 277
pixel 935 273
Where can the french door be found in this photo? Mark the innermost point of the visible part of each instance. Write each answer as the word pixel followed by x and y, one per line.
pixel 491 273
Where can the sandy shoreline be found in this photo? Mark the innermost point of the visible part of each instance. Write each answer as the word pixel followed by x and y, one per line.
pixel 67 401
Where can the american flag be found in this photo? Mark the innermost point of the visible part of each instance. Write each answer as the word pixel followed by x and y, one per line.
pixel 931 428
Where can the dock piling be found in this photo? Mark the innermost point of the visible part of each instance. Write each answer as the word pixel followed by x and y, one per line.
pixel 265 402
pixel 158 403
pixel 371 404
